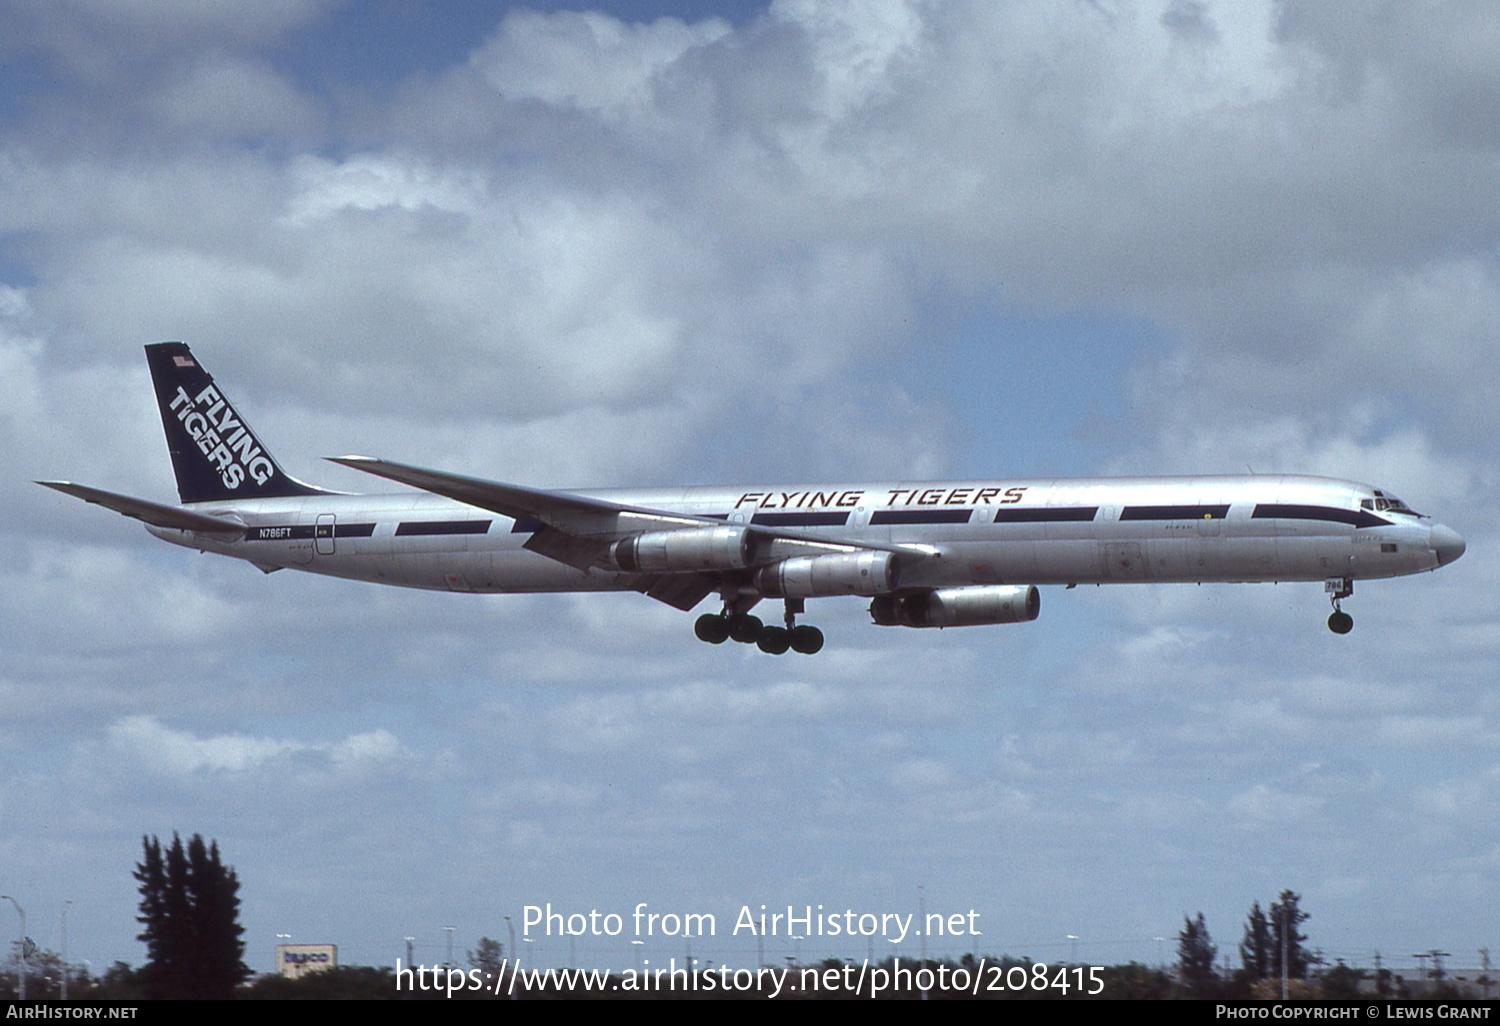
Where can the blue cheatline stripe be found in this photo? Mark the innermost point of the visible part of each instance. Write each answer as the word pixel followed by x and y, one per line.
pixel 921 516
pixel 1174 512
pixel 1285 511
pixel 414 527
pixel 800 519
pixel 1058 515
pixel 299 532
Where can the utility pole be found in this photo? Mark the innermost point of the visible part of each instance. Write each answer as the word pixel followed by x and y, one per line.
pixel 1437 962
pixel 1284 918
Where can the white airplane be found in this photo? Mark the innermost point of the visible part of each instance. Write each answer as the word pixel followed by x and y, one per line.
pixel 926 553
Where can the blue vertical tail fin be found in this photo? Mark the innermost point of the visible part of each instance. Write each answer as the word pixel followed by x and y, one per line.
pixel 214 453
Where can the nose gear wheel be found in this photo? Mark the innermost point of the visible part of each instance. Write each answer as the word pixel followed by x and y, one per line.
pixel 1338 589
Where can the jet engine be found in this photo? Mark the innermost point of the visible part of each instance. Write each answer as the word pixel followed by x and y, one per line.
pixel 852 573
pixel 694 548
pixel 958 607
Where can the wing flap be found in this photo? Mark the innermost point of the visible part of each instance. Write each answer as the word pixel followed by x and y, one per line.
pixel 682 591
pixel 154 513
pixel 579 553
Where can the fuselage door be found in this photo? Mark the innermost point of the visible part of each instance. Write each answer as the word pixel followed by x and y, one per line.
pixel 323 534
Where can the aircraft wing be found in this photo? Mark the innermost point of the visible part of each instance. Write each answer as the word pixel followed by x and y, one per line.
pixel 575 515
pixel 154 513
pixel 577 529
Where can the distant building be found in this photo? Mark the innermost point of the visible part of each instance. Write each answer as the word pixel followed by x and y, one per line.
pixel 295 960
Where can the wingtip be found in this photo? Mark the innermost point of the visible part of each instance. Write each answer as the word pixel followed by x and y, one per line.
pixel 351 459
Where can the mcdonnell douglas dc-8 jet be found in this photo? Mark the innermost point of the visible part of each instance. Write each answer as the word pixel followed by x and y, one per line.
pixel 926 554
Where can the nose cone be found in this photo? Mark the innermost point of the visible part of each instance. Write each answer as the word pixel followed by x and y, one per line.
pixel 1447 543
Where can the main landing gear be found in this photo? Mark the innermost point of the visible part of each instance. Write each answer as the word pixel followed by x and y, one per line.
pixel 739 624
pixel 1339 588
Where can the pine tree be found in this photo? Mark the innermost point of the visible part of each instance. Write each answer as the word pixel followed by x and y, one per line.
pixel 1285 918
pixel 190 913
pixel 1195 956
pixel 1257 951
pixel 214 889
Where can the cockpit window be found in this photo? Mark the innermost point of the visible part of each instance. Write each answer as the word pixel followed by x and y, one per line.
pixel 1390 504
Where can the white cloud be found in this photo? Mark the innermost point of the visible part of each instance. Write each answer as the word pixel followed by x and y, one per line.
pixel 371 182
pixel 144 739
pixel 587 60
pixel 145 742
pixel 217 96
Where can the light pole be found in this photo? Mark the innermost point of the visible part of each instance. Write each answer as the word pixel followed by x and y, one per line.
pixel 22 912
pixel 1072 948
pixel 510 927
pixel 66 903
pixel 449 931
pixel 922 918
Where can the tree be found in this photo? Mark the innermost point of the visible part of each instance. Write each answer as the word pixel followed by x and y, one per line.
pixel 488 958
pixel 190 918
pixel 1257 952
pixel 1342 982
pixel 219 936
pixel 1195 956
pixel 1285 918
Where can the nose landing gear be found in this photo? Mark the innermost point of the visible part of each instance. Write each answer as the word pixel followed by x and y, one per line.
pixel 1339 588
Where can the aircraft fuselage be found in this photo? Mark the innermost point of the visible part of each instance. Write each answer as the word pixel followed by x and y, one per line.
pixel 1048 531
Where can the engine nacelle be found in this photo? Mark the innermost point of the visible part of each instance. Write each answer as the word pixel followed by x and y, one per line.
pixel 959 607
pixel 851 573
pixel 693 548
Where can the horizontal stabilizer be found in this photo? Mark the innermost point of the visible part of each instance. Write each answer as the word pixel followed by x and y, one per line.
pixel 154 513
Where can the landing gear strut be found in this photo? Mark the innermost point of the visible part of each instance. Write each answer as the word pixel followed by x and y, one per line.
pixel 1339 588
pixel 805 639
pixel 737 623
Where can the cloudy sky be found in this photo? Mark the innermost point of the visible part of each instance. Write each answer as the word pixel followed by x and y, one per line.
pixel 699 242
